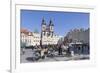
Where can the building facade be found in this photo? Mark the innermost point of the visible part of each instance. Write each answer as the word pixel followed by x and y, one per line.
pixel 79 35
pixel 47 36
pixel 26 37
pixel 47 33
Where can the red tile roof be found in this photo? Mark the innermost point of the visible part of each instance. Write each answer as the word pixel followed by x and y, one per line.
pixel 25 31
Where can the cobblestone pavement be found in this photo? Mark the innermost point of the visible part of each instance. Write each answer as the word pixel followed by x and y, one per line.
pixel 27 57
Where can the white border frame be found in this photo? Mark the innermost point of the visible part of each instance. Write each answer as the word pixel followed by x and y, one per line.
pixel 15 38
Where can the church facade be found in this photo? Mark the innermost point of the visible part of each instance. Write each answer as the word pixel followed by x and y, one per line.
pixel 47 33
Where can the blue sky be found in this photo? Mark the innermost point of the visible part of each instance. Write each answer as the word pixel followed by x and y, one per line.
pixel 63 21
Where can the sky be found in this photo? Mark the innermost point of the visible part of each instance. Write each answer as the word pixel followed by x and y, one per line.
pixel 63 21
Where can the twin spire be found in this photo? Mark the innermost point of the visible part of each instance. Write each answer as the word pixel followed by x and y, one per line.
pixel 50 22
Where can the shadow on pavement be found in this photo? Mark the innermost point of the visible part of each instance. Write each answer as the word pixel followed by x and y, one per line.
pixel 29 59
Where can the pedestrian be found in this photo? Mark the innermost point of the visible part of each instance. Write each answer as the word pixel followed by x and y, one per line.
pixel 45 51
pixel 60 50
pixel 42 53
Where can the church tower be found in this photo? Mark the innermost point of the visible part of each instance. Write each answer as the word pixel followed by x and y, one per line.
pixel 43 25
pixel 51 28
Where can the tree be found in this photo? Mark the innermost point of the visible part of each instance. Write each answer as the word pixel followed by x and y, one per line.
pixel 36 31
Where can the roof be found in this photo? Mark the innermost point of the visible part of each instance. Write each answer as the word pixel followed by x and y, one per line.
pixel 26 32
pixel 51 23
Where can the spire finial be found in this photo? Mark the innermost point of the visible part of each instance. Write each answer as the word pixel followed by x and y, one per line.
pixel 51 23
pixel 43 21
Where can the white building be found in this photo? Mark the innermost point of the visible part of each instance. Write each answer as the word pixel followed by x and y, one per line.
pixel 47 35
pixel 36 39
pixel 26 37
pixel 50 40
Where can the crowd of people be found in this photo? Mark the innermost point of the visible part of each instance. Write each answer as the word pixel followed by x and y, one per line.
pixel 50 51
pixel 41 52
